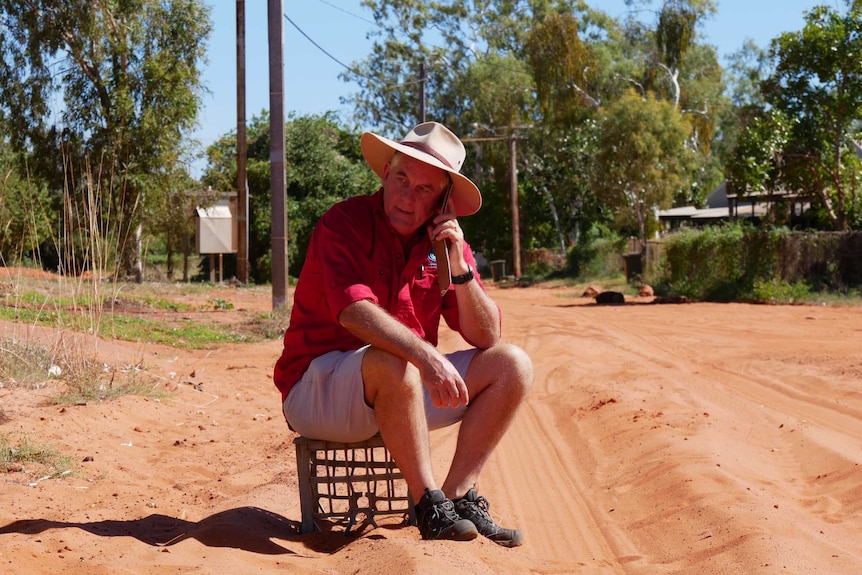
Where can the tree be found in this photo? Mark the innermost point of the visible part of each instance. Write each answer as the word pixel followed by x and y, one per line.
pixel 748 68
pixel 817 84
pixel 642 159
pixel 754 165
pixel 324 164
pixel 686 72
pixel 569 90
pixel 127 74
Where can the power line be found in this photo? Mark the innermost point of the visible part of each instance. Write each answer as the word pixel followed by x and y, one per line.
pixel 348 12
pixel 350 69
pixel 318 46
pixel 372 79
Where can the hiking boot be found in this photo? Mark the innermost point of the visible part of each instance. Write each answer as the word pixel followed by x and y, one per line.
pixel 475 508
pixel 437 519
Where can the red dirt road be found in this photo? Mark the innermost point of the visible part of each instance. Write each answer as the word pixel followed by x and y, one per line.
pixel 692 438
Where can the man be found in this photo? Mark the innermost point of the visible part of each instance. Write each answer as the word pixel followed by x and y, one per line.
pixel 360 352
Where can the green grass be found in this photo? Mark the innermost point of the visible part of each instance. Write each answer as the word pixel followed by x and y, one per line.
pixel 182 334
pixel 189 335
pixel 79 310
pixel 36 459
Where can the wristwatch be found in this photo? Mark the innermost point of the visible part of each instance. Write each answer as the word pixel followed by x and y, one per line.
pixel 463 278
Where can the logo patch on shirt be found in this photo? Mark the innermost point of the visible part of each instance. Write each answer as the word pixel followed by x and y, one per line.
pixel 431 264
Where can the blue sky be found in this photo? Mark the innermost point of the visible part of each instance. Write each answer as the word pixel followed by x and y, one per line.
pixel 339 27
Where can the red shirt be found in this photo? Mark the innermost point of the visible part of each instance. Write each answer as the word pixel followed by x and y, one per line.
pixel 354 254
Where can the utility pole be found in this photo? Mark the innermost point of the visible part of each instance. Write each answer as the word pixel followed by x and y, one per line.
pixel 278 200
pixel 516 212
pixel 513 191
pixel 422 93
pixel 241 152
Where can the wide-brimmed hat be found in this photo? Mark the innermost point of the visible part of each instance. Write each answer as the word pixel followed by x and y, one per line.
pixel 433 144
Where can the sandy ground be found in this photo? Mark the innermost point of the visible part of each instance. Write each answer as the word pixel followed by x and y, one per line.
pixel 691 438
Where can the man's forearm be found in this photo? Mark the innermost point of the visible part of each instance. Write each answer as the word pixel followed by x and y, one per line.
pixel 373 325
pixel 478 315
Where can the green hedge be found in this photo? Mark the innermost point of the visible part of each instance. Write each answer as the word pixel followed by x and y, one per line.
pixel 739 262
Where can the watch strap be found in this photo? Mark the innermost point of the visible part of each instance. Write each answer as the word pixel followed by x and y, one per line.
pixel 464 278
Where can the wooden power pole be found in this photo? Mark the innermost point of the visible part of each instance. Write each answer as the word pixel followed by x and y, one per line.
pixel 278 192
pixel 241 152
pixel 513 192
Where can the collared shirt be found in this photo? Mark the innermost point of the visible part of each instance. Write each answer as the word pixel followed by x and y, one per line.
pixel 353 255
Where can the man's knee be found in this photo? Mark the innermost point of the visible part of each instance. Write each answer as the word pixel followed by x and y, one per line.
pixel 521 365
pixel 383 371
pixel 511 364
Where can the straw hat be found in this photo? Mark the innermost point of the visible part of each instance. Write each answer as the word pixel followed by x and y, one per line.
pixel 433 144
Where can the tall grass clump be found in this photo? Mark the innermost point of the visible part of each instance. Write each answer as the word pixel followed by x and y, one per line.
pixel 86 249
pixel 25 364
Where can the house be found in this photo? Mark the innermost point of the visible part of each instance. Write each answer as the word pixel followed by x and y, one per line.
pixel 724 207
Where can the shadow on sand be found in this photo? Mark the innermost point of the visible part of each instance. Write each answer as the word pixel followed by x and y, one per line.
pixel 248 528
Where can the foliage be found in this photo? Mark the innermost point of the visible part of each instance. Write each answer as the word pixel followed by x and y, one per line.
pixel 558 155
pixel 754 164
pixel 25 220
pixel 674 66
pixel 747 69
pixel 563 68
pixel 711 264
pixel 778 291
pixel 128 76
pixel 324 164
pixel 740 262
pixel 596 255
pixel 817 82
pixel 641 161
pixel 171 216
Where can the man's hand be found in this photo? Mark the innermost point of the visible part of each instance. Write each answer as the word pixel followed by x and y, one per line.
pixel 372 324
pixel 444 383
pixel 446 227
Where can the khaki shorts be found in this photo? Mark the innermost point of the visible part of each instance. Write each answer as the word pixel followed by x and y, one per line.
pixel 329 401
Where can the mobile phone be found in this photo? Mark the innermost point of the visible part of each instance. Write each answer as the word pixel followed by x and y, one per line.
pixel 441 250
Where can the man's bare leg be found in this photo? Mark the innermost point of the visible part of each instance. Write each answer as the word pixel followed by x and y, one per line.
pixel 395 389
pixel 498 380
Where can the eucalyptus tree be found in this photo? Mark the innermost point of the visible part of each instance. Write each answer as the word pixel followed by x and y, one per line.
pixel 670 61
pixel 640 164
pixel 817 84
pixel 569 93
pixel 99 96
